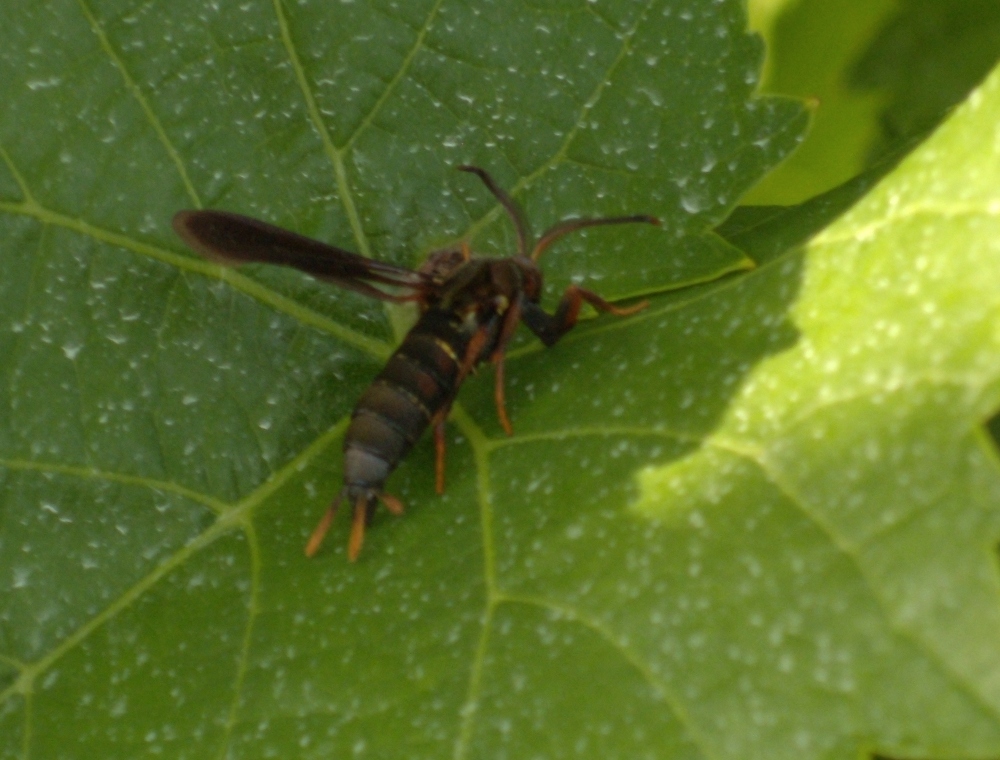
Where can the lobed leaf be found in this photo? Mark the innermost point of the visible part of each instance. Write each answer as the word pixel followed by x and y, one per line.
pixel 756 519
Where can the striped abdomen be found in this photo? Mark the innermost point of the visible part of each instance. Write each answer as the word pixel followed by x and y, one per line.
pixel 418 382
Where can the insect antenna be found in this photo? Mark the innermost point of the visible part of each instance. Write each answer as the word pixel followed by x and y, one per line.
pixel 513 210
pixel 556 231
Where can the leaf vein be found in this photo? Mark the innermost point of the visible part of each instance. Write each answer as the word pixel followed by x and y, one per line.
pixel 390 86
pixel 11 662
pixel 134 89
pixel 253 611
pixel 233 516
pixel 376 348
pixel 29 199
pixel 29 704
pixel 772 473
pixel 31 671
pixel 593 431
pixel 312 107
pixel 930 377
pixel 698 738
pixel 571 133
pixel 866 232
pixel 481 450
pixel 91 473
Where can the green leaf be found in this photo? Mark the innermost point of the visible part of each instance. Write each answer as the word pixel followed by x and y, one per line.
pixel 756 520
pixel 812 47
pixel 865 442
pixel 880 74
pixel 926 58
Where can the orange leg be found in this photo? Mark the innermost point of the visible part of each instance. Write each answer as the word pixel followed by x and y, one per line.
pixel 439 450
pixel 472 352
pixel 551 327
pixel 394 505
pixel 510 320
pixel 501 401
pixel 357 528
pixel 601 305
pixel 320 531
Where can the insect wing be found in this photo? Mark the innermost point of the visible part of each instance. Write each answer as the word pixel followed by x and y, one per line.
pixel 234 239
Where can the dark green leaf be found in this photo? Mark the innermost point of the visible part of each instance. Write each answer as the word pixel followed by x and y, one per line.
pixel 812 47
pixel 925 59
pixel 756 520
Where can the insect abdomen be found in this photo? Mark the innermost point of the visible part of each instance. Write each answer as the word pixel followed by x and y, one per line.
pixel 419 380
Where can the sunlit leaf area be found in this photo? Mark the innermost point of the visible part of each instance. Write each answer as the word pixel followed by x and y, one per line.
pixel 758 518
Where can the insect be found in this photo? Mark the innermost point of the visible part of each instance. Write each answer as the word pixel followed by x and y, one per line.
pixel 469 308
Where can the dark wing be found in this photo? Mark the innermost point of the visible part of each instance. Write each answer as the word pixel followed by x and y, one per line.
pixel 234 239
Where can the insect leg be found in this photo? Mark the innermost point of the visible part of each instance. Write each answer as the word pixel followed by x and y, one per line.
pixel 510 320
pixel 439 450
pixel 472 351
pixel 312 546
pixel 394 505
pixel 551 327
pixel 358 527
pixel 500 399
